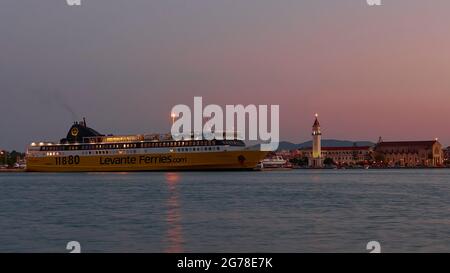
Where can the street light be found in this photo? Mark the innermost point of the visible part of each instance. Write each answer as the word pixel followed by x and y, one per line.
pixel 6 157
pixel 173 116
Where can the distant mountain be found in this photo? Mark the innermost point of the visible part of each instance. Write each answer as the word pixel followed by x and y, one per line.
pixel 285 145
pixel 336 143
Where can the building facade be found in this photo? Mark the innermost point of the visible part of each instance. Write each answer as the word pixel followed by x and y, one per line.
pixel 410 153
pixel 447 155
pixel 351 155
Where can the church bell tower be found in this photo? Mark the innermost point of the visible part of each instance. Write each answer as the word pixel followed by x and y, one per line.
pixel 316 156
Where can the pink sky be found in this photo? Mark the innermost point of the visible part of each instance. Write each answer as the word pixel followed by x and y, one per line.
pixel 368 72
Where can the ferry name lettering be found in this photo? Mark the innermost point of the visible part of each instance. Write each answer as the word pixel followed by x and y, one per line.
pixel 144 159
pixel 128 160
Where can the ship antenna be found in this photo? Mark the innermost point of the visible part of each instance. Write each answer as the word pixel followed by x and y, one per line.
pixel 84 121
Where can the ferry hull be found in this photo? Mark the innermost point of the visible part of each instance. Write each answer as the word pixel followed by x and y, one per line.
pixel 223 160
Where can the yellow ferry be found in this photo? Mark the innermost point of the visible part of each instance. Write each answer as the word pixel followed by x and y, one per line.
pixel 86 150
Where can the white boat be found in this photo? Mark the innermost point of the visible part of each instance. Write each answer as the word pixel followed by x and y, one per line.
pixel 273 162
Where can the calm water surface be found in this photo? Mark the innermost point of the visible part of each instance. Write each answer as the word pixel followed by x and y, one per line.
pixel 292 211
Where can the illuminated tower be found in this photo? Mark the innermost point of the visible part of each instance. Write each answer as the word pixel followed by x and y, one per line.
pixel 316 157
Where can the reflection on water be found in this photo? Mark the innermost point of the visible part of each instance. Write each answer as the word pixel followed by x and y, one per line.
pixel 174 236
pixel 296 211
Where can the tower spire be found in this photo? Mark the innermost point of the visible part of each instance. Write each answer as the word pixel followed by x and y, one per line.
pixel 316 126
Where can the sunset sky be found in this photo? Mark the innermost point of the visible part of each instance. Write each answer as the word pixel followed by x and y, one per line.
pixel 368 71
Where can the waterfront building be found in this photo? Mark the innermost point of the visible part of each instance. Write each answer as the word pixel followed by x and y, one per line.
pixel 410 153
pixel 349 155
pixel 315 160
pixel 317 155
pixel 447 154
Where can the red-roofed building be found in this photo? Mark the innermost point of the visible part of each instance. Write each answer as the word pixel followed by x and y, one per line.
pixel 350 155
pixel 410 153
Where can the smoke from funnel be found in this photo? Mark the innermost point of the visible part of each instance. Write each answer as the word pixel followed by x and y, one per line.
pixel 66 106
